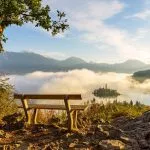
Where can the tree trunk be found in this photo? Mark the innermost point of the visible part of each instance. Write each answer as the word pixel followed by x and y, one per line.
pixel 1 38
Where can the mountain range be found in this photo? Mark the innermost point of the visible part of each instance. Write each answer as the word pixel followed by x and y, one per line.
pixel 26 62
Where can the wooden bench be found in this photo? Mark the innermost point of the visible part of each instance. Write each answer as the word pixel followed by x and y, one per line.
pixel 71 110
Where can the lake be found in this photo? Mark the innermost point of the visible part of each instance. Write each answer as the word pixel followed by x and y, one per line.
pixel 82 81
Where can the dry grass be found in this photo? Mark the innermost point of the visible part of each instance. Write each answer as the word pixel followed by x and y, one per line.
pixel 98 112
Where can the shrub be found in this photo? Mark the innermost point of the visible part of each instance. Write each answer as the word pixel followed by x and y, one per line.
pixel 107 112
pixel 13 122
pixel 51 117
pixel 43 116
pixel 7 104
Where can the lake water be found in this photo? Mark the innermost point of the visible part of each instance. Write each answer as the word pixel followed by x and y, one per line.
pixel 82 81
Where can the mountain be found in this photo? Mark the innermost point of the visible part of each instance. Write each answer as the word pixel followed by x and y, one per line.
pixel 131 66
pixel 72 61
pixel 16 62
pixel 25 62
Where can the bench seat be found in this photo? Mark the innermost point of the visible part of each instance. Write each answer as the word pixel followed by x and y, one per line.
pixel 58 107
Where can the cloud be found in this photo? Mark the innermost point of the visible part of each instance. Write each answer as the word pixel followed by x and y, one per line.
pixel 95 31
pixel 89 19
pixel 144 15
pixel 79 81
pixel 101 10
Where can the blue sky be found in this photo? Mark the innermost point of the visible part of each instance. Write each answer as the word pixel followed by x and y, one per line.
pixel 100 31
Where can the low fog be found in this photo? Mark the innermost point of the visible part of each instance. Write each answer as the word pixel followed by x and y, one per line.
pixel 81 81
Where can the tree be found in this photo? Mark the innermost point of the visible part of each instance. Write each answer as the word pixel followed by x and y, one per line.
pixel 131 103
pixel 19 12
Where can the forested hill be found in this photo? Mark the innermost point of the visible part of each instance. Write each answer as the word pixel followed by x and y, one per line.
pixel 142 74
pixel 25 62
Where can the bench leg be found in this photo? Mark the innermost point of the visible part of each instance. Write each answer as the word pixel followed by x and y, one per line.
pixel 26 111
pixel 75 113
pixel 70 121
pixel 34 117
pixel 69 114
pixel 28 116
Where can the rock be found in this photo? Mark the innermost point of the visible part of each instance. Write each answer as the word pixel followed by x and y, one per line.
pixel 115 133
pixel 47 147
pixel 53 146
pixel 120 121
pixel 90 133
pixel 109 131
pixel 2 134
pixel 80 146
pixel 113 145
pixel 132 142
pixel 146 116
pixel 72 145
pixel 85 143
pixel 143 144
pixel 1 147
pixel 101 135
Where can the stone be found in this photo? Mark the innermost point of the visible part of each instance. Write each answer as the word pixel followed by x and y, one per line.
pixel 108 131
pixel 132 142
pixel 72 145
pixel 2 134
pixel 146 116
pixel 113 145
pixel 143 144
pixel 90 133
pixel 81 146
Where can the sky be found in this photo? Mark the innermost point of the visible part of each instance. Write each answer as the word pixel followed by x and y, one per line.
pixel 100 31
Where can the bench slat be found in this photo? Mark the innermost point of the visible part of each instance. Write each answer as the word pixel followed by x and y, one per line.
pixel 58 107
pixel 48 96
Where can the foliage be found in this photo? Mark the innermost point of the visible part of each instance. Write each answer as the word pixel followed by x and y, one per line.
pixel 106 112
pixel 44 116
pixel 18 12
pixel 96 113
pixel 13 118
pixel 14 121
pixel 7 105
pixel 51 117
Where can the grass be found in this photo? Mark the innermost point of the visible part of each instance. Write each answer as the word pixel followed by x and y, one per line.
pixel 97 112
pixel 100 112
pixel 7 103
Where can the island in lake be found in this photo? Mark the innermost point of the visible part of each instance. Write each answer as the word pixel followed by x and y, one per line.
pixel 105 92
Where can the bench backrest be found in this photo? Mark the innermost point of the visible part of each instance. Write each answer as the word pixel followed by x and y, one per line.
pixel 49 96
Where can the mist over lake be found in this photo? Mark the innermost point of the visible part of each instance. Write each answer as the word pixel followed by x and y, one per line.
pixel 82 81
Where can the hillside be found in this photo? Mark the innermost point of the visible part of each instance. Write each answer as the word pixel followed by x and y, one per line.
pixel 25 62
pixel 142 75
pixel 145 73
pixel 128 130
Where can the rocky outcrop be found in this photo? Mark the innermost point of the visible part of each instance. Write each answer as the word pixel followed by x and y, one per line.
pixel 137 129
pixel 123 134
